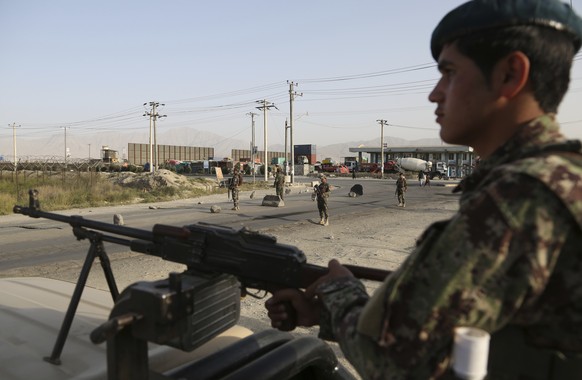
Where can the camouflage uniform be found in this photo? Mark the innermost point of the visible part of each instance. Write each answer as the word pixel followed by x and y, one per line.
pixel 508 262
pixel 322 191
pixel 235 183
pixel 401 188
pixel 280 183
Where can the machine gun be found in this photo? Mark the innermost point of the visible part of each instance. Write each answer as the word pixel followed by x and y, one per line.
pixel 189 308
pixel 317 192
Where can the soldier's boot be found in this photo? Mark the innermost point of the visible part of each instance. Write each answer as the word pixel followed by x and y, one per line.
pixel 399 204
pixel 403 205
pixel 321 221
pixel 326 223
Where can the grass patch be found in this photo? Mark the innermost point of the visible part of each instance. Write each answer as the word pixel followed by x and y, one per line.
pixel 81 190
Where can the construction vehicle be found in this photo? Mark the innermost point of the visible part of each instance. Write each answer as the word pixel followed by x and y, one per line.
pixel 397 165
pixel 412 164
pixel 328 160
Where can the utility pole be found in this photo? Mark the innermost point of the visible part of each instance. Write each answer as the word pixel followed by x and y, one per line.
pixel 89 151
pixel 65 129
pixel 292 95
pixel 253 145
pixel 382 122
pixel 153 114
pixel 265 106
pixel 286 143
pixel 14 126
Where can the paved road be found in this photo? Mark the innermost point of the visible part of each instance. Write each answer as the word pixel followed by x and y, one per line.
pixel 26 241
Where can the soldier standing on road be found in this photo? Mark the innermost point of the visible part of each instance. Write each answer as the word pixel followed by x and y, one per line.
pixel 509 261
pixel 235 183
pixel 280 183
pixel 322 193
pixel 401 188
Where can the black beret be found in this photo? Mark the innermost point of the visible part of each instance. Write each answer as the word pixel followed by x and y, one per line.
pixel 479 15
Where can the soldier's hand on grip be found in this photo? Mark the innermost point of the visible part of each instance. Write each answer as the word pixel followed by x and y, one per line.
pixel 289 308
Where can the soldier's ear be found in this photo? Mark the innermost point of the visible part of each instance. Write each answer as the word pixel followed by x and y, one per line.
pixel 512 73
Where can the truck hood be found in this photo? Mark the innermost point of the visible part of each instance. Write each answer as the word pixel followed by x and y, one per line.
pixel 32 310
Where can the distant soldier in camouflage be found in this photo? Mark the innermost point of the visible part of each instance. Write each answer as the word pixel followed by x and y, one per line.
pixel 234 187
pixel 280 183
pixel 510 260
pixel 401 188
pixel 322 193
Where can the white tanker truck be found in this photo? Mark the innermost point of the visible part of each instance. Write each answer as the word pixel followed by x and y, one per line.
pixel 416 165
pixel 413 164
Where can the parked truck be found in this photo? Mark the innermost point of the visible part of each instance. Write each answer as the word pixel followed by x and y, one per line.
pixel 439 170
pixel 278 161
pixel 351 165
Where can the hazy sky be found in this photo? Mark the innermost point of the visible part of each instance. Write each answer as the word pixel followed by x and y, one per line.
pixel 90 65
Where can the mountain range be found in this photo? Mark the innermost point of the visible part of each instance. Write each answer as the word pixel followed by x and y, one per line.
pixel 90 145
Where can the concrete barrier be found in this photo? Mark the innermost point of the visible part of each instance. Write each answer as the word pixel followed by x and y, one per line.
pixel 273 201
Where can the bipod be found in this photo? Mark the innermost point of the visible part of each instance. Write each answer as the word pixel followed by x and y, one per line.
pixel 95 250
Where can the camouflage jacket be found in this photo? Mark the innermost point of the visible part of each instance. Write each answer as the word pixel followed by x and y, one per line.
pixel 279 180
pixel 322 190
pixel 235 181
pixel 510 256
pixel 401 185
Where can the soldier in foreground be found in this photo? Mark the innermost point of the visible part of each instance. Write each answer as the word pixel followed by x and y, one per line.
pixel 509 261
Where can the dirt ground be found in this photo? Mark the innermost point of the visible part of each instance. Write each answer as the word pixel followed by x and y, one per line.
pixel 380 239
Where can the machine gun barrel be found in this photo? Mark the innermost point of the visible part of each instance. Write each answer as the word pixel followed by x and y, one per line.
pixel 79 221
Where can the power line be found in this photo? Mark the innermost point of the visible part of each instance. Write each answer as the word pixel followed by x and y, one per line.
pixel 371 75
pixel 313 88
